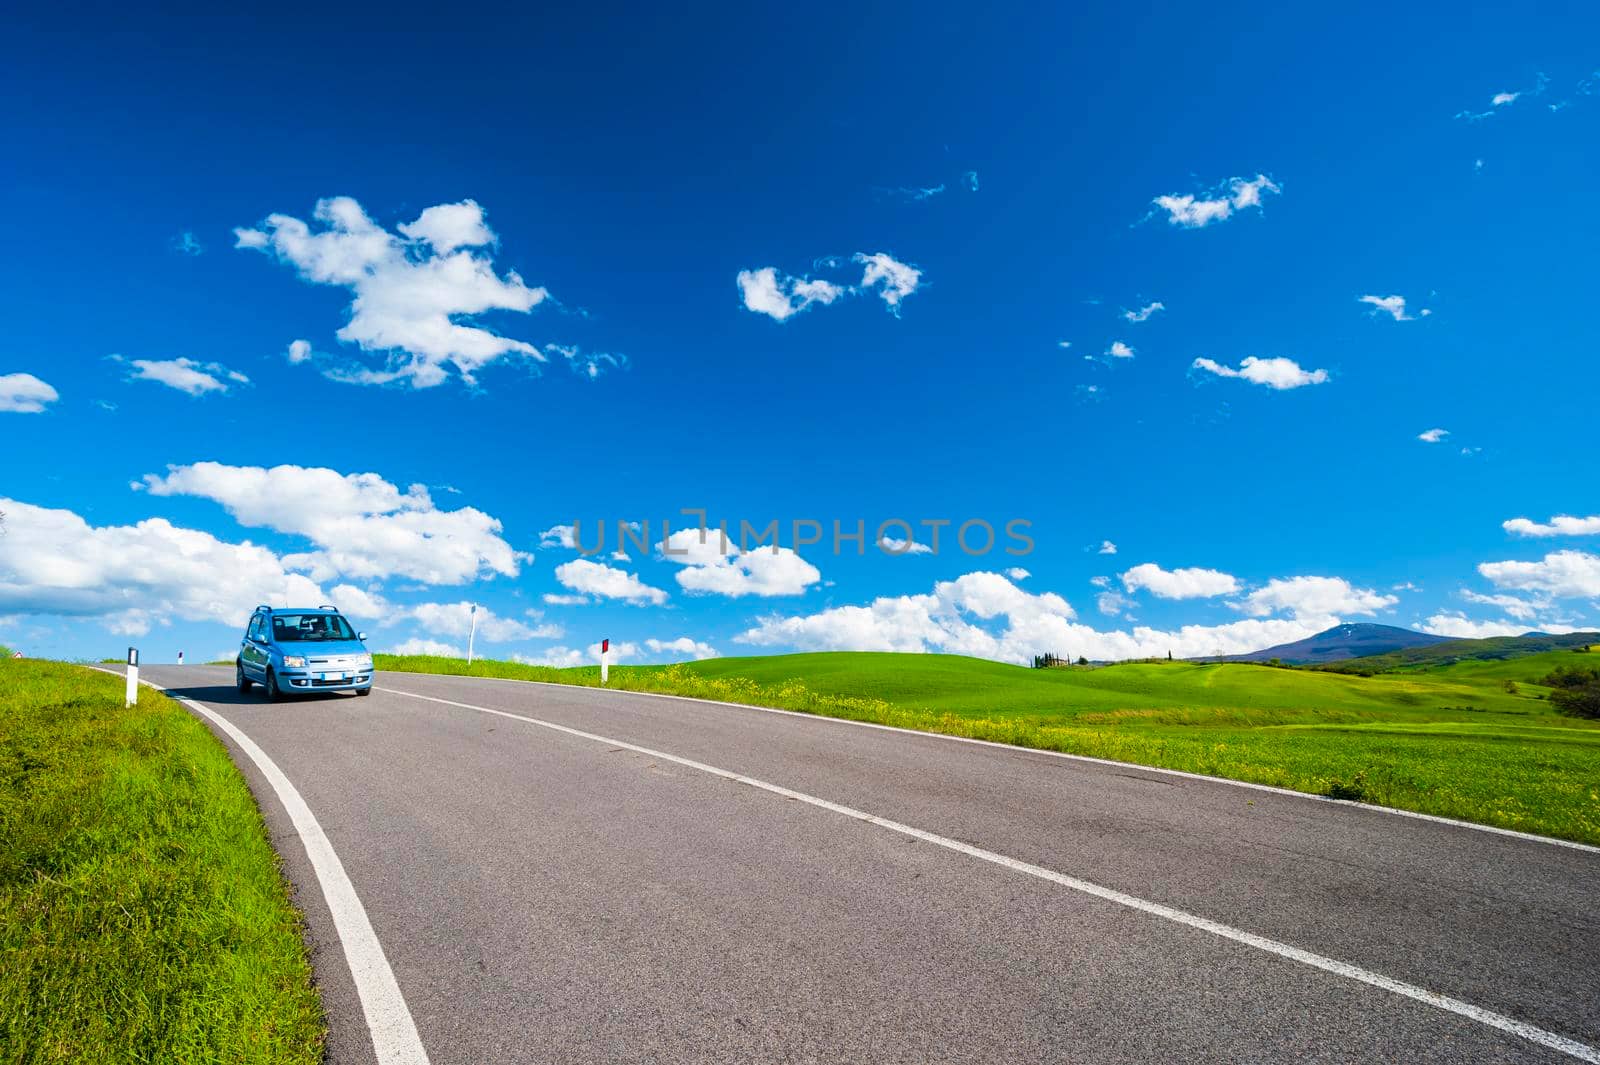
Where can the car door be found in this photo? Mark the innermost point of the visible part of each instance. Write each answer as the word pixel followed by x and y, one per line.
pixel 254 652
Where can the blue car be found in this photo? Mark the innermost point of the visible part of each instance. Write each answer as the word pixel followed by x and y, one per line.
pixel 294 649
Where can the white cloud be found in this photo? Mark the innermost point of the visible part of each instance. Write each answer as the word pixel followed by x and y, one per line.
pixel 186 375
pixel 1119 350
pixel 361 602
pixel 1235 194
pixel 553 599
pixel 1143 313
pixel 419 646
pixel 557 536
pixel 1560 525
pixel 1017 573
pixel 1393 306
pixel 299 351
pixel 895 279
pixel 1455 624
pixel 23 393
pixel 714 567
pixel 895 546
pixel 1500 99
pixel 1522 609
pixel 1433 436
pixel 606 582
pixel 1277 373
pixel 1560 574
pixel 781 297
pixel 684 646
pixel 1313 597
pixel 1194 583
pixel 455 619
pixel 959 617
pixel 54 562
pixel 413 294
pixel 1113 604
pixel 1107 548
pixel 571 658
pixel 361 525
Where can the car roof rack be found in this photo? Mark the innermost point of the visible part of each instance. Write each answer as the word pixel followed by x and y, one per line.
pixel 263 607
pixel 326 606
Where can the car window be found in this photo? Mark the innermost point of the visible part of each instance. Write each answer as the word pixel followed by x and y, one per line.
pixel 254 632
pixel 297 628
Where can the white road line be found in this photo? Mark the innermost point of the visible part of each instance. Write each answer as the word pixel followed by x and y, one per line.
pixel 1499 1021
pixel 394 1034
pixel 801 714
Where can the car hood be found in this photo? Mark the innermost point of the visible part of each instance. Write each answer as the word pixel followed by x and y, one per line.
pixel 329 649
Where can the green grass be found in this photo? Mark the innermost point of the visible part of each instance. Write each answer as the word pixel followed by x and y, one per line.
pixel 142 914
pixel 1452 741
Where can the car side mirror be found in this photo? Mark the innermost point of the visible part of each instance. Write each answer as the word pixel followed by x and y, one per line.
pixel 361 636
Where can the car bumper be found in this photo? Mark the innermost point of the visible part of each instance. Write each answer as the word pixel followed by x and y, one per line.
pixel 308 680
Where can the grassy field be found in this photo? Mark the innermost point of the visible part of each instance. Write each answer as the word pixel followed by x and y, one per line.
pixel 1452 741
pixel 142 914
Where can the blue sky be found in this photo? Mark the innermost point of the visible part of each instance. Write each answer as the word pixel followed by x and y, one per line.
pixel 581 268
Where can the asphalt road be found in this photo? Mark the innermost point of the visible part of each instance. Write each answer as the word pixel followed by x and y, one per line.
pixel 548 897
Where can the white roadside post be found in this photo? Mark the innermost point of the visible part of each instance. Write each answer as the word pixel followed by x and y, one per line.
pixel 131 696
pixel 472 633
pixel 180 658
pixel 605 660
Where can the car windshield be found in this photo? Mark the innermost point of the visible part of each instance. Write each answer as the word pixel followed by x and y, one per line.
pixel 293 628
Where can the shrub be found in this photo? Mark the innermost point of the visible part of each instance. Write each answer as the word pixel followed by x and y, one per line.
pixel 1581 701
pixel 1570 677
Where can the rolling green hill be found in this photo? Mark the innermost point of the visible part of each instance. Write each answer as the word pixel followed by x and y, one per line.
pixel 1492 649
pixel 1453 740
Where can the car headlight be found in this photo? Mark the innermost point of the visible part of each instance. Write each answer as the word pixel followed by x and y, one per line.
pixel 294 661
pixel 366 662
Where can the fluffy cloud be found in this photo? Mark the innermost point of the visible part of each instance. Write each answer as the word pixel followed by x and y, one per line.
pixel 418 646
pixel 1235 194
pixel 780 296
pixel 186 375
pixel 1393 306
pixel 895 546
pixel 894 279
pixel 554 599
pixel 1192 583
pixel 571 658
pixel 1277 374
pixel 54 562
pixel 1433 436
pixel 1320 597
pixel 1107 548
pixel 455 619
pixel 1560 525
pixel 1521 609
pixel 607 582
pixel 964 616
pixel 410 291
pixel 299 352
pixel 23 393
pixel 1457 625
pixel 714 567
pixel 682 646
pixel 1143 313
pixel 1560 575
pixel 361 525
pixel 1119 350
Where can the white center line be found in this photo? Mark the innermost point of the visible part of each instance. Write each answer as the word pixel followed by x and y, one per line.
pixel 1499 1021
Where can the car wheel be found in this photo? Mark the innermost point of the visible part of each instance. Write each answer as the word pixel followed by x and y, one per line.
pixel 274 693
pixel 240 679
pixel 363 691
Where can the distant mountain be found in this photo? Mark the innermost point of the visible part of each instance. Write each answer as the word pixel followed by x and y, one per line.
pixel 1341 642
pixel 1492 649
